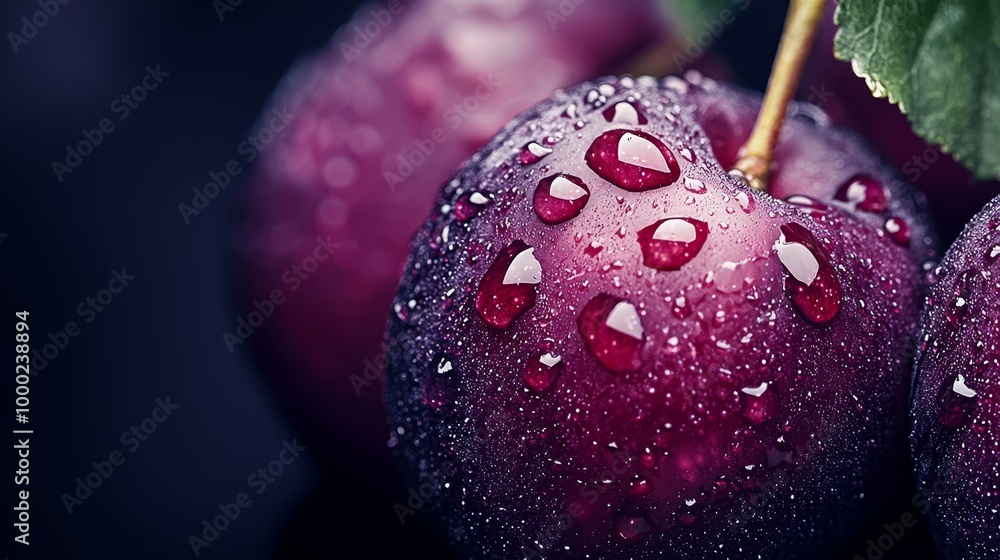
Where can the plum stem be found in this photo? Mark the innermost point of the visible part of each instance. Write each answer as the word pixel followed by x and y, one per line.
pixel 796 39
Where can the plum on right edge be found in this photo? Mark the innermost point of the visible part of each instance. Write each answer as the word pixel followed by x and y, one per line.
pixel 621 351
pixel 956 434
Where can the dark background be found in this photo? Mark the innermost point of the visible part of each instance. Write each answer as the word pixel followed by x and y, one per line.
pixel 161 336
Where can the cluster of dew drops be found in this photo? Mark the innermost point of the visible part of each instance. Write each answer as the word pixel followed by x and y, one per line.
pixel 631 159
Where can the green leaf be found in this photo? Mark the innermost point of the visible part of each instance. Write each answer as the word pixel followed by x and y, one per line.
pixel 940 61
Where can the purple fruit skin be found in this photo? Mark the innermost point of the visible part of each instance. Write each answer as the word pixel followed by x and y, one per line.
pixel 525 468
pixel 958 465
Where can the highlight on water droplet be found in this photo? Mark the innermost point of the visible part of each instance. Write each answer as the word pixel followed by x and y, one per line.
pixel 509 287
pixel 811 280
pixel 533 152
pixel 632 160
pixel 559 198
pixel 613 332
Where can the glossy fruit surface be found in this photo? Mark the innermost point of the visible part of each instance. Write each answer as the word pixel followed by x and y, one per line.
pixel 955 406
pixel 682 364
pixel 378 126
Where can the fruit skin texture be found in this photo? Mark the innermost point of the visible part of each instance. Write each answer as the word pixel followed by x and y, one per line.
pixel 955 436
pixel 657 437
pixel 326 179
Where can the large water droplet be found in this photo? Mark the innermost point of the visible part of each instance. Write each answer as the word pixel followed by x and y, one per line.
pixel 811 282
pixel 624 113
pixel 671 243
pixel 632 160
pixel 864 193
pixel 560 198
pixel 509 287
pixel 543 371
pixel 533 152
pixel 956 401
pixel 613 332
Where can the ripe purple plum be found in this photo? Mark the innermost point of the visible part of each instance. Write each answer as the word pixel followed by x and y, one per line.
pixel 625 350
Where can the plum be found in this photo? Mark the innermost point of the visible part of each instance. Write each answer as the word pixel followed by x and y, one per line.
pixel 954 409
pixel 612 348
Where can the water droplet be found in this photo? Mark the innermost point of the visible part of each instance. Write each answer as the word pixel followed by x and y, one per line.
pixel 695 186
pixel 640 487
pixel 993 252
pixel 681 307
pixel 533 152
pixel 956 401
pixel 632 160
pixel 957 309
pixel 809 205
pixel 760 403
pixel 613 332
pixel 469 205
pixel 811 281
pixel 624 113
pixel 898 231
pixel 439 387
pixel 687 154
pixel 560 198
pixel 632 527
pixel 543 371
pixel 671 243
pixel 745 201
pixel 509 287
pixel 864 193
